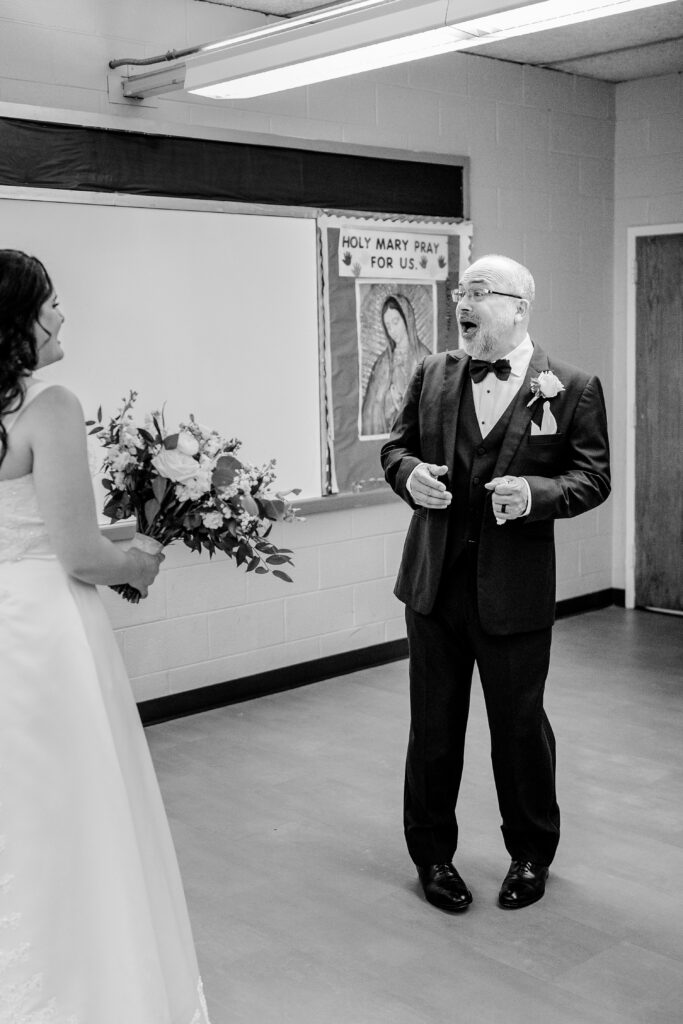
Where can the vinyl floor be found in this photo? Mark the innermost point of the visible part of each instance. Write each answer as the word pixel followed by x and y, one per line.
pixel 286 812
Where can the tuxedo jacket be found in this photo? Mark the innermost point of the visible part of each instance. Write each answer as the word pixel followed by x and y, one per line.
pixel 567 472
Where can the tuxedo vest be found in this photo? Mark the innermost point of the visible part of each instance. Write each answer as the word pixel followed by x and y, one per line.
pixel 474 460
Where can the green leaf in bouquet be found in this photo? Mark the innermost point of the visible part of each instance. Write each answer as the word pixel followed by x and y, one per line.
pixel 151 508
pixel 249 505
pixel 242 553
pixel 171 442
pixel 253 562
pixel 260 569
pixel 159 486
pixel 277 559
pixel 116 501
pixel 282 576
pixel 272 508
pixel 145 435
pixel 226 469
pixel 192 521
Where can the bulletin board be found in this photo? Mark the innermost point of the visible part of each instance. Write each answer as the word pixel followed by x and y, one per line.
pixel 386 286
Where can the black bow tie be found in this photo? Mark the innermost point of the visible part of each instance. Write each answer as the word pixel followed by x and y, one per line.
pixel 480 367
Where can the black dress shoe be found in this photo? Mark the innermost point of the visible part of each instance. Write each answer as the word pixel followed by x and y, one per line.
pixel 524 884
pixel 444 887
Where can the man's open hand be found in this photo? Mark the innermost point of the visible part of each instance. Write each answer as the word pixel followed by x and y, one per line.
pixel 425 489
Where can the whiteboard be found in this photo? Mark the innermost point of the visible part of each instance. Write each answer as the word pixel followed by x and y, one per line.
pixel 212 313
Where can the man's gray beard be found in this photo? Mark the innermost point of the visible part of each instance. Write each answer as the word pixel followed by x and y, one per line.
pixel 482 348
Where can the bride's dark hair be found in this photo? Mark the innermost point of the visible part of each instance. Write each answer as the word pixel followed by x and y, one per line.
pixel 24 286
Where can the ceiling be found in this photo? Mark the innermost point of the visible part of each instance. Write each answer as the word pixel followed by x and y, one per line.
pixel 615 49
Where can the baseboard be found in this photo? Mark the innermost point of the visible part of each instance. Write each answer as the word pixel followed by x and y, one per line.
pixel 590 602
pixel 206 698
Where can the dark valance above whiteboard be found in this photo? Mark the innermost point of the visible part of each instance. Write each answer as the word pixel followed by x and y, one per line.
pixel 61 156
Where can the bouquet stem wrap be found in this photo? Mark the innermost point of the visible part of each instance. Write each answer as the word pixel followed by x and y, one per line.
pixel 151 546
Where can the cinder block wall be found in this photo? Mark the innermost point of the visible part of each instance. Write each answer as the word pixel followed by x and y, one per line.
pixel 541 146
pixel 206 621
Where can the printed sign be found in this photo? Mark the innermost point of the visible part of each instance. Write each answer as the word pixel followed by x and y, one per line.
pixel 393 254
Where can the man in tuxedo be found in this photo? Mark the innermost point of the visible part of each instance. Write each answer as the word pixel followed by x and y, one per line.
pixel 493 443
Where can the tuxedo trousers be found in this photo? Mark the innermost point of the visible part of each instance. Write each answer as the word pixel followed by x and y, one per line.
pixel 443 649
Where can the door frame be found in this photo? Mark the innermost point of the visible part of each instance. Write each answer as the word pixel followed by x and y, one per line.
pixel 631 411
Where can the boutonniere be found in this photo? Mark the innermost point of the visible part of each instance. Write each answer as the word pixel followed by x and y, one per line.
pixel 546 385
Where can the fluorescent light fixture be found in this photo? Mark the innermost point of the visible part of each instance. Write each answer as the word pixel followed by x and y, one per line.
pixel 333 65
pixel 364 35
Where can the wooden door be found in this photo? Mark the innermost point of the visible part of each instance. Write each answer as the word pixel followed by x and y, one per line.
pixel 659 422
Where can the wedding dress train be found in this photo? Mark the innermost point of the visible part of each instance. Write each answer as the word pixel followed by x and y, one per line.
pixel 93 921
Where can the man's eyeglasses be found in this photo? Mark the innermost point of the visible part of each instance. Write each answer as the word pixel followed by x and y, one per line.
pixel 478 294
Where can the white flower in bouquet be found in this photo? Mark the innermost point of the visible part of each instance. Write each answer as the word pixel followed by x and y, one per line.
pixel 199 485
pixel 187 443
pixel 175 465
pixel 120 462
pixel 208 441
pixel 212 520
pixel 118 465
pixel 130 437
pixel 193 490
pixel 213 445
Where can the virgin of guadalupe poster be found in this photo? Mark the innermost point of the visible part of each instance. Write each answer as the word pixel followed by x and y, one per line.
pixel 386 305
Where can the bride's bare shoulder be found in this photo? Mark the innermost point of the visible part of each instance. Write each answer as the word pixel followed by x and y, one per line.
pixel 54 413
pixel 56 400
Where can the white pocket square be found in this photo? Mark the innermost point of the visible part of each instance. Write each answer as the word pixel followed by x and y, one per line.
pixel 548 423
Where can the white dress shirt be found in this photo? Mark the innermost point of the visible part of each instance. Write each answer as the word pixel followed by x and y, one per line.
pixel 492 396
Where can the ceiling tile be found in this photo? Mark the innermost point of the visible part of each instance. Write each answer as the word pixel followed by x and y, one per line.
pixel 629 64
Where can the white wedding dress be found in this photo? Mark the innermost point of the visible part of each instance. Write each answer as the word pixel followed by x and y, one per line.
pixel 93 920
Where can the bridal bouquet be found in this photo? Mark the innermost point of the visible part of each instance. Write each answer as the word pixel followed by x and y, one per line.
pixel 189 485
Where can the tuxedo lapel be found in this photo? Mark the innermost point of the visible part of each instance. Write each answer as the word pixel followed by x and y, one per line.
pixel 521 413
pixel 454 379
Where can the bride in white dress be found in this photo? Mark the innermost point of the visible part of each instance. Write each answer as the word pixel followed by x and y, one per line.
pixel 93 920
